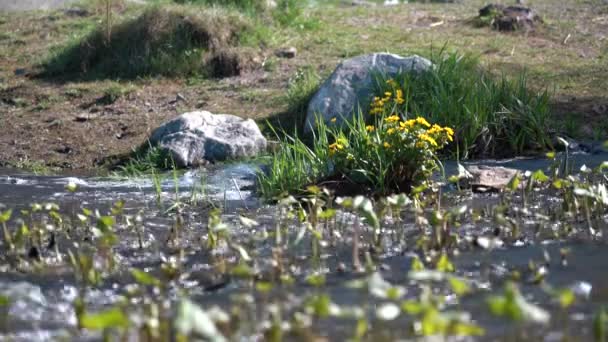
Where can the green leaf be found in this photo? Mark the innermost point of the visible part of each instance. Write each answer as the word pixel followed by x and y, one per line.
pixel 365 207
pixel 444 264
pixel 242 270
pixel 540 176
pixel 4 301
pixel 144 278
pixel 412 307
pixel 316 280
pixel 5 216
pixel 459 286
pixel 550 155
pixel 361 329
pixel 417 264
pixel 112 318
pixel 263 286
pixel 566 298
pixel 514 182
pixel 327 214
pixel 320 305
pixel 105 223
pixel 599 325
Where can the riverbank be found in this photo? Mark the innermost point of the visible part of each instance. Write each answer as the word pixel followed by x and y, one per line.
pixel 79 124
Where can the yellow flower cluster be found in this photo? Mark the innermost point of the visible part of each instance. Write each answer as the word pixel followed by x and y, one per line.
pixel 436 129
pixel 378 103
pixel 419 129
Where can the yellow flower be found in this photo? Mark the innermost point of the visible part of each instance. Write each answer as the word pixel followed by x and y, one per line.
pixel 435 129
pixel 427 138
pixel 390 131
pixel 388 94
pixel 386 145
pixel 391 82
pixel 392 118
pixel 407 124
pixel 333 120
pixel 369 128
pixel 422 121
pixel 450 133
pixel 399 96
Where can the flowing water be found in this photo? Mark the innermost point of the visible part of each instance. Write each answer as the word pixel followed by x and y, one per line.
pixel 41 297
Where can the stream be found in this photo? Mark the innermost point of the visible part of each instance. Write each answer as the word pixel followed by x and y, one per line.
pixel 41 298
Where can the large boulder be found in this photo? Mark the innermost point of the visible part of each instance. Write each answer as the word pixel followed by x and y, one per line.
pixel 351 85
pixel 196 137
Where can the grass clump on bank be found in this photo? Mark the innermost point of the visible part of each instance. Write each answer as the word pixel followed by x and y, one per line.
pixel 392 154
pixel 167 40
pixel 491 117
pixel 412 118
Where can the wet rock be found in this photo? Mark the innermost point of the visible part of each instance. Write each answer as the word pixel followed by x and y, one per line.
pixel 290 52
pixel 196 137
pixel 509 18
pixel 351 85
pixel 483 178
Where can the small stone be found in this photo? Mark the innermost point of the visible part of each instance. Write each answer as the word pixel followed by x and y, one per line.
pixel 489 178
pixel 289 52
pixel 86 117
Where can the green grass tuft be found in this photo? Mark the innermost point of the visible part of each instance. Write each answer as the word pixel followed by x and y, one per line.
pixel 167 40
pixel 492 116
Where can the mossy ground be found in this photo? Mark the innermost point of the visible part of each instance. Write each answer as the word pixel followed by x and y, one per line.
pixel 65 123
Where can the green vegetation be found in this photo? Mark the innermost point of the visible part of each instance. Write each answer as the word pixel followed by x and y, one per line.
pixel 162 40
pixel 397 148
pixel 144 161
pixel 491 116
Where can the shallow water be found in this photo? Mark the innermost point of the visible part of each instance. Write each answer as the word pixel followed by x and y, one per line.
pixel 42 296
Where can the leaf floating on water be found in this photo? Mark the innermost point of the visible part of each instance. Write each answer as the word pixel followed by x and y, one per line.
pixel 6 215
pixel 192 321
pixel 444 264
pixel 566 298
pixel 112 318
pixel 515 307
pixel 540 176
pixel 144 278
pixel 417 264
pixel 459 286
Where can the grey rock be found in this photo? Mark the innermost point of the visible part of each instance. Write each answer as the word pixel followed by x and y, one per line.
pixel 351 86
pixel 197 137
pixel 484 178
